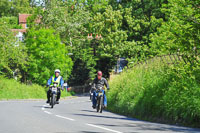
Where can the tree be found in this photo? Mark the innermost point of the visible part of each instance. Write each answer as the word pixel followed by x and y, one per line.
pixel 70 22
pixel 12 22
pixel 14 7
pixel 181 31
pixel 46 53
pixel 13 53
pixel 108 49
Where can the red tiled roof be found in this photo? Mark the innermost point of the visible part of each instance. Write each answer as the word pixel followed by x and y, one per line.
pixel 16 31
pixel 23 17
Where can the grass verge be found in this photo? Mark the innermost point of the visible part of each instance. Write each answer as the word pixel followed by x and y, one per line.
pixel 11 89
pixel 158 92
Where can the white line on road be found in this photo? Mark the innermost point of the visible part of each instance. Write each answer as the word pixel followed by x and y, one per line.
pixel 104 128
pixel 48 112
pixel 43 107
pixel 65 118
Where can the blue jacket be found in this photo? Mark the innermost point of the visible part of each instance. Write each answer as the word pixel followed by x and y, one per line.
pixel 61 81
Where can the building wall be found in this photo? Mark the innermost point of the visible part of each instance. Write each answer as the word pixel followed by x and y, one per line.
pixel 23 25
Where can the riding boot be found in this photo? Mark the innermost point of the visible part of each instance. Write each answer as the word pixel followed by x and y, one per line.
pixel 48 96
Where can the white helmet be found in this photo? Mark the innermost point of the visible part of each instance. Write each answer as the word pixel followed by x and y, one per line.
pixel 57 71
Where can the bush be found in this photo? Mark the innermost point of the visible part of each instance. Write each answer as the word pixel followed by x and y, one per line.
pixel 159 93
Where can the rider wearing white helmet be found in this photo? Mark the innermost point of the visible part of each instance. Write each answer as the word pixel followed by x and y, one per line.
pixel 55 78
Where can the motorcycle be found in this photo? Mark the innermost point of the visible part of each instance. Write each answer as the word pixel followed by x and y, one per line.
pixel 99 99
pixel 54 90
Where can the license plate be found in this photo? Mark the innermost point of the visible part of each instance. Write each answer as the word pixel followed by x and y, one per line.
pixel 100 93
pixel 54 89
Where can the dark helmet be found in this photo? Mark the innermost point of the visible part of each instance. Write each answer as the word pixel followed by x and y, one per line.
pixel 99 73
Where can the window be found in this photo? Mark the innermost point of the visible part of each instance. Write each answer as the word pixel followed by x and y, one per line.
pixel 26 25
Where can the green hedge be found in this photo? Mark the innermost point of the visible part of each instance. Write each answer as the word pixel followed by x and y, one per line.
pixel 168 94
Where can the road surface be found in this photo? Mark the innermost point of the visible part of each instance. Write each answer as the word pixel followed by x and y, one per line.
pixel 74 115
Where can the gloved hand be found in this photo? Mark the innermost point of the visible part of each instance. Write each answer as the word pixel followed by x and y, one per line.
pixel 47 86
pixel 108 89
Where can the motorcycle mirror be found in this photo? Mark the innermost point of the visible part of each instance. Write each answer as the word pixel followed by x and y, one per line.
pixel 65 84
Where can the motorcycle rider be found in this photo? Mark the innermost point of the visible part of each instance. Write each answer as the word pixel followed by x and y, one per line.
pixel 55 78
pixel 99 81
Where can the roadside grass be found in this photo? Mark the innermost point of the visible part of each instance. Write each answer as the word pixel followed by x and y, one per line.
pixel 64 93
pixel 157 92
pixel 11 89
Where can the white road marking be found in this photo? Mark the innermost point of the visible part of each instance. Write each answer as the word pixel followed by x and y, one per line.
pixel 48 112
pixel 43 107
pixel 104 128
pixel 65 118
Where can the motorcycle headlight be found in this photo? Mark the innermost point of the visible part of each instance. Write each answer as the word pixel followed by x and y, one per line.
pixel 54 85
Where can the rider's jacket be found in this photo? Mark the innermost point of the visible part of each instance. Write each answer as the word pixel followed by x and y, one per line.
pixel 100 83
pixel 58 79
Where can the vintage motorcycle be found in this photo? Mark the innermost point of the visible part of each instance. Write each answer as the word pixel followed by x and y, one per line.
pixel 100 98
pixel 54 91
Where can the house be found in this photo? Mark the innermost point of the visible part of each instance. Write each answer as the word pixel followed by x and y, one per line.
pixel 23 20
pixel 19 33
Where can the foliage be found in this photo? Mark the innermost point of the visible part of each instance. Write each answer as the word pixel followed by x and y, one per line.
pixel 140 20
pixel 13 53
pixel 11 22
pixel 14 7
pixel 158 93
pixel 46 53
pixel 125 30
pixel 181 31
pixel 70 23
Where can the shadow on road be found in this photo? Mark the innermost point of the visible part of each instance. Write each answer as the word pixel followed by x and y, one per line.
pixel 81 132
pixel 141 125
pixel 46 107
pixel 109 117
pixel 90 132
pixel 89 110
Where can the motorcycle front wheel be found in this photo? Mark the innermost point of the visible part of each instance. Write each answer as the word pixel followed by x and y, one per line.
pixel 53 99
pixel 98 103
pixel 101 104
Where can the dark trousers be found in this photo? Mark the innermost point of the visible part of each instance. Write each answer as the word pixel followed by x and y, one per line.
pixel 49 94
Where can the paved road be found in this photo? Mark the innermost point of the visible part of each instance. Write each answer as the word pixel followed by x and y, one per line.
pixel 71 116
